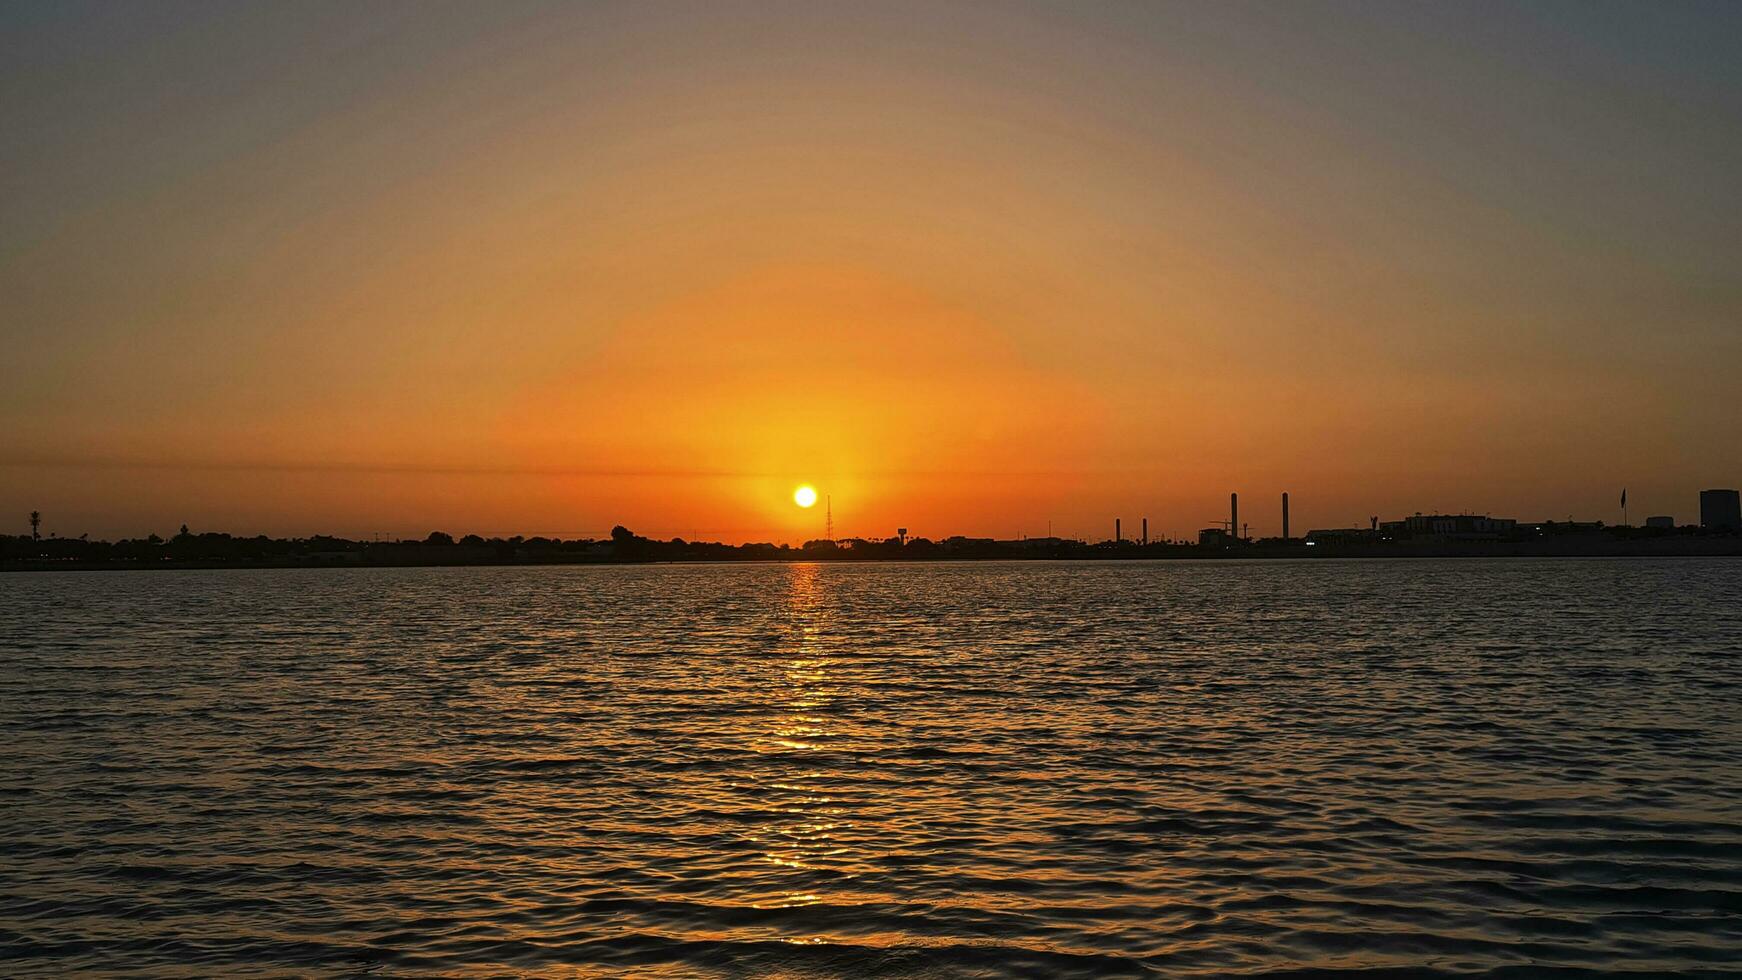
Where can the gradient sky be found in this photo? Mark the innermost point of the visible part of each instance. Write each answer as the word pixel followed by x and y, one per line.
pixel 968 268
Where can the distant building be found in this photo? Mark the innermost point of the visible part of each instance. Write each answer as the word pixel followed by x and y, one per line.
pixel 1214 537
pixel 1030 544
pixel 1667 523
pixel 1549 529
pixel 1460 527
pixel 960 541
pixel 1342 535
pixel 1721 509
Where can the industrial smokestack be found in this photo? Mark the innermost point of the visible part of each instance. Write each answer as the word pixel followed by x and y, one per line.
pixel 1285 515
pixel 1146 530
pixel 1234 516
pixel 1116 535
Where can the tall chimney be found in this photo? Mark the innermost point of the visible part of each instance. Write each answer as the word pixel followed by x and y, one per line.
pixel 1285 515
pixel 1146 530
pixel 1234 516
pixel 1117 537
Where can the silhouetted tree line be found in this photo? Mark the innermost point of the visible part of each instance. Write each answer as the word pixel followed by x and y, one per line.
pixel 440 547
pixel 189 549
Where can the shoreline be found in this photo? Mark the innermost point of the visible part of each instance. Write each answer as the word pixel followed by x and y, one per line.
pixel 1724 547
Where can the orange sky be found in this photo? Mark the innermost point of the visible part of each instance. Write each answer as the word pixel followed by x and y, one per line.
pixel 967 269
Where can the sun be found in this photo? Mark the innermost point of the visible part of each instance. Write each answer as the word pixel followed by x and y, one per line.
pixel 805 496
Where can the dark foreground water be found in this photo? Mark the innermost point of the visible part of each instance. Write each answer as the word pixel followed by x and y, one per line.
pixel 931 770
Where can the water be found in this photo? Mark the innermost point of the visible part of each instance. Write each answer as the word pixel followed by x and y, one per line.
pixel 1027 769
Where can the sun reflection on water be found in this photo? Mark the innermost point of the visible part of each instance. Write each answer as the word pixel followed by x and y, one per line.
pixel 804 841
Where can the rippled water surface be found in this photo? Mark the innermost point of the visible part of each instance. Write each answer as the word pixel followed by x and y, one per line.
pixel 1028 769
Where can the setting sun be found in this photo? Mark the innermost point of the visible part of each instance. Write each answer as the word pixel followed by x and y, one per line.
pixel 805 496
